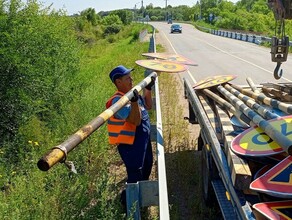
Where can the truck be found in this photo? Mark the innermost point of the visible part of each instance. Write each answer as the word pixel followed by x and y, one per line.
pixel 237 123
pixel 226 175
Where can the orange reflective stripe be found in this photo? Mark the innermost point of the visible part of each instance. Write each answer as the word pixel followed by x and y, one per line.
pixel 113 129
pixel 121 134
pixel 125 139
pixel 120 131
pixel 113 140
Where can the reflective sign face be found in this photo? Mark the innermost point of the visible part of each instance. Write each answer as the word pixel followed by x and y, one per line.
pixel 281 210
pixel 213 81
pixel 162 66
pixel 277 181
pixel 170 57
pixel 255 142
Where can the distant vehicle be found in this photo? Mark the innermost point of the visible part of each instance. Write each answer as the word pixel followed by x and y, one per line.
pixel 169 21
pixel 176 28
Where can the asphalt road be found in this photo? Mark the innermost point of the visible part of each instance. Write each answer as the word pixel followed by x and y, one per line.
pixel 216 55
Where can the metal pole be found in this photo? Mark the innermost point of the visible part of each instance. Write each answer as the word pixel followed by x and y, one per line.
pixel 166 14
pixel 252 104
pixel 274 134
pixel 142 10
pixel 268 101
pixel 200 10
pixel 222 102
pixel 252 85
pixel 59 153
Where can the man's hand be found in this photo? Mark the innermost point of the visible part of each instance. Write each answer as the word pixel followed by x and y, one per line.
pixel 149 86
pixel 135 97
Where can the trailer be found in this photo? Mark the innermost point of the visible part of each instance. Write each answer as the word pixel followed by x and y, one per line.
pixel 236 174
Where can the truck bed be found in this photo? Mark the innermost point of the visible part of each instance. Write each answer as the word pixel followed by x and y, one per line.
pixel 226 175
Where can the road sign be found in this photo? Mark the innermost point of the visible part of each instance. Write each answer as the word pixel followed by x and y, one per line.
pixel 262 170
pixel 255 142
pixel 213 81
pixel 281 210
pixel 171 57
pixel 162 66
pixel 277 181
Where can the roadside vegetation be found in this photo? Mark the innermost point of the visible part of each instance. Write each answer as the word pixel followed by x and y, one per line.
pixel 54 79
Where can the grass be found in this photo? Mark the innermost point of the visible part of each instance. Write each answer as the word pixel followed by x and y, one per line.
pixel 28 193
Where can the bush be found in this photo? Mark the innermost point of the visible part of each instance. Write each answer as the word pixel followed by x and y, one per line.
pixel 112 29
pixel 38 54
pixel 154 18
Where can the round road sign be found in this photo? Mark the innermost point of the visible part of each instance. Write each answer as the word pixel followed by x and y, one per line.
pixel 162 66
pixel 171 57
pixel 213 81
pixel 255 142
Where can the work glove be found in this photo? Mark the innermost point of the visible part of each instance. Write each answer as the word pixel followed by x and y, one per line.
pixel 135 97
pixel 149 86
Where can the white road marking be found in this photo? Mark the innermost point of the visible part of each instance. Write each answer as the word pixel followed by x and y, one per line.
pixel 177 53
pixel 241 59
pixel 225 53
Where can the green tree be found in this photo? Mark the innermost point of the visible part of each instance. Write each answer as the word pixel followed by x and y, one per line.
pixel 261 7
pixel 125 16
pixel 154 18
pixel 111 20
pixel 149 7
pixel 90 15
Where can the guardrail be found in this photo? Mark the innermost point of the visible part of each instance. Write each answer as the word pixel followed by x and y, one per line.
pixel 151 193
pixel 252 38
pixel 162 185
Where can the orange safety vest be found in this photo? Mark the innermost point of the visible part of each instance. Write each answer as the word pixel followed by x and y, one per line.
pixel 119 130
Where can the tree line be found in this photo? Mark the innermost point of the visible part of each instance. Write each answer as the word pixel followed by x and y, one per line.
pixel 244 15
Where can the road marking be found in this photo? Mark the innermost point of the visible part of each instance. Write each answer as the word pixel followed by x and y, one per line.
pixel 194 81
pixel 241 59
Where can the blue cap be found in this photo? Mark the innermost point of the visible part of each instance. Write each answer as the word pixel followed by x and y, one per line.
pixel 118 72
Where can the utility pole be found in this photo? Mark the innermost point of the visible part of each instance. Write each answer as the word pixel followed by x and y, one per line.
pixel 135 11
pixel 142 9
pixel 200 10
pixel 166 16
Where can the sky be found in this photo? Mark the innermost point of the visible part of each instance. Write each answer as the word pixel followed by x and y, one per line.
pixel 74 6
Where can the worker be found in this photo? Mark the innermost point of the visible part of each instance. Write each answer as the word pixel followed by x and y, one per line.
pixel 129 128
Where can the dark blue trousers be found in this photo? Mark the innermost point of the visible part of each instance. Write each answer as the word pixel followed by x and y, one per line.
pixel 138 160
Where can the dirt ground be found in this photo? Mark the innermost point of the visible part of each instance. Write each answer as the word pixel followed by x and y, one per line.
pixel 183 161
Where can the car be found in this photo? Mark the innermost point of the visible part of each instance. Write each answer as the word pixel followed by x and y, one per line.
pixel 176 28
pixel 169 21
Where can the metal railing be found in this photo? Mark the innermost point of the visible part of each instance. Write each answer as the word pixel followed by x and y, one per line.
pixel 151 193
pixel 252 38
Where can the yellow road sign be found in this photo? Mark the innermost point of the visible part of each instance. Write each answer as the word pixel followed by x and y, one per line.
pixel 171 57
pixel 162 66
pixel 255 142
pixel 213 81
